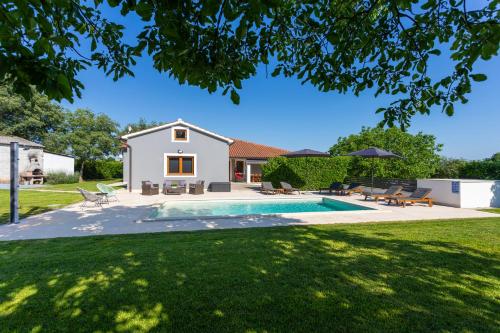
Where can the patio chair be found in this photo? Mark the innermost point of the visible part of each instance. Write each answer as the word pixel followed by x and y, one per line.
pixel 90 197
pixel 419 195
pixel 390 192
pixel 197 188
pixel 334 187
pixel 107 191
pixel 268 188
pixel 174 187
pixel 288 189
pixel 148 188
pixel 353 188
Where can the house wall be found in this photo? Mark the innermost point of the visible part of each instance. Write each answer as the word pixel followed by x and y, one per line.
pixel 58 163
pixel 148 150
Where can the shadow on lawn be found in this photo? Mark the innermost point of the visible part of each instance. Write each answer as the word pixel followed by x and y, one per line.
pixel 306 279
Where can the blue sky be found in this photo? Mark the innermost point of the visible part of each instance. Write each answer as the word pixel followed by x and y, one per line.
pixel 283 113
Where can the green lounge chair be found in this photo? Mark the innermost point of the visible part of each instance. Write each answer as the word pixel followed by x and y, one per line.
pixel 108 191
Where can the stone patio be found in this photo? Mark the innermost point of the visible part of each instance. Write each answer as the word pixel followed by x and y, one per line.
pixel 124 216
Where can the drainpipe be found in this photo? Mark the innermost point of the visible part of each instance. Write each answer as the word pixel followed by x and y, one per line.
pixel 129 153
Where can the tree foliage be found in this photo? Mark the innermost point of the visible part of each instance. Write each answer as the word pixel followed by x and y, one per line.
pixel 450 168
pixel 90 136
pixel 336 45
pixel 419 153
pixel 140 125
pixel 34 119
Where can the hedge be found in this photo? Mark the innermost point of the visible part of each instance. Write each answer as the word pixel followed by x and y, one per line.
pixel 485 169
pixel 306 173
pixel 101 169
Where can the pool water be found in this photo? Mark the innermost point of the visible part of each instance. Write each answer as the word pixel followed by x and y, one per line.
pixel 251 207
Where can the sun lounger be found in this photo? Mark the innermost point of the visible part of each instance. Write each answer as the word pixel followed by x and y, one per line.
pixel 419 195
pixel 334 187
pixel 390 192
pixel 288 189
pixel 268 188
pixel 353 188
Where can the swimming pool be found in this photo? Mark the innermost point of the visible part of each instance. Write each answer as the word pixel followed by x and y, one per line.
pixel 196 209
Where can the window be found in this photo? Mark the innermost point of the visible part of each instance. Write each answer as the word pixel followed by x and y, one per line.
pixel 180 134
pixel 180 165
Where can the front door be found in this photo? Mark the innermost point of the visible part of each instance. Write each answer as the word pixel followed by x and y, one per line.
pixel 239 171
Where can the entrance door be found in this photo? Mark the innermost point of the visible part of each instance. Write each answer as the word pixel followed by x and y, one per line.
pixel 239 171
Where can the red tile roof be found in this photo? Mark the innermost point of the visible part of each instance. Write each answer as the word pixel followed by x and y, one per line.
pixel 245 149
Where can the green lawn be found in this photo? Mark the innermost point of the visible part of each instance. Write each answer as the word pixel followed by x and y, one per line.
pixel 439 276
pixel 33 202
pixel 491 210
pixel 89 185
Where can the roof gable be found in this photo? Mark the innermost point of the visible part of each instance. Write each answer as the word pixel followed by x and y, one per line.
pixel 178 122
pixel 7 139
pixel 245 149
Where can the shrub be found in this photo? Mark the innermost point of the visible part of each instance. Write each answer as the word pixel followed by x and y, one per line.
pixel 101 169
pixel 485 169
pixel 62 178
pixel 306 173
pixel 450 168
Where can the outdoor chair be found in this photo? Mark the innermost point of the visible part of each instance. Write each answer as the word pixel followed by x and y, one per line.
pixel 419 195
pixel 390 192
pixel 353 188
pixel 268 188
pixel 288 189
pixel 197 188
pixel 334 187
pixel 90 197
pixel 174 187
pixel 148 188
pixel 107 191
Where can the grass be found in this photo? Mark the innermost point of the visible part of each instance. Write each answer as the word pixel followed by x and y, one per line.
pixel 89 185
pixel 33 202
pixel 393 277
pixel 491 210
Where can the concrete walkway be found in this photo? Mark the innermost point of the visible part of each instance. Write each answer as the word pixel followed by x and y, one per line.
pixel 124 216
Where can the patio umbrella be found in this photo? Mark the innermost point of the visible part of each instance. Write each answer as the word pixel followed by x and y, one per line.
pixel 306 153
pixel 372 153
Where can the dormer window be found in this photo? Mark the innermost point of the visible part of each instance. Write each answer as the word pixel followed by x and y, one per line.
pixel 180 134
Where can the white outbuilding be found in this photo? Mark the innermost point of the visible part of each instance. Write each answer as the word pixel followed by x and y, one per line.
pixel 34 162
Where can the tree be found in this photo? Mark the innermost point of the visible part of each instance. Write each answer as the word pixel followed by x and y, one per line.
pixel 90 136
pixel 335 45
pixel 35 119
pixel 141 125
pixel 496 157
pixel 419 152
pixel 450 168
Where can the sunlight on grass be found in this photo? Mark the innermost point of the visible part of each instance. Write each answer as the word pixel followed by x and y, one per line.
pixel 17 299
pixel 393 277
pixel 33 202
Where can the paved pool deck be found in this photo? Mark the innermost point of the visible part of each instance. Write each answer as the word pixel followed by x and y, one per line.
pixel 125 216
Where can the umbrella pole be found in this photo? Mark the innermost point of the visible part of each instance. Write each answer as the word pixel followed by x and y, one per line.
pixel 372 177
